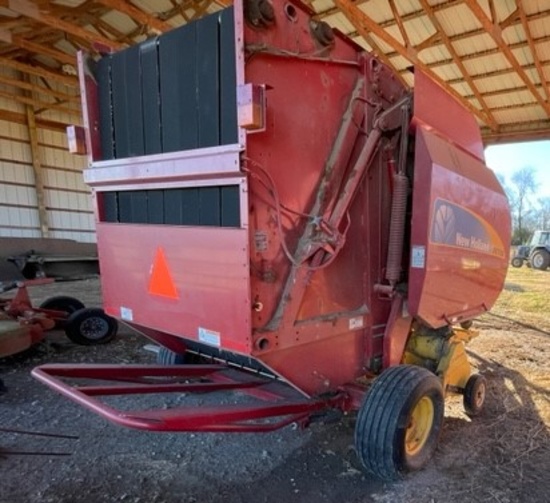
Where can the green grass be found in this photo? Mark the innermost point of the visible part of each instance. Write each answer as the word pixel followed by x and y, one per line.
pixel 526 297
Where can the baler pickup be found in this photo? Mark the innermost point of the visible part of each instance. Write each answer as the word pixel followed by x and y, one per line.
pixel 275 405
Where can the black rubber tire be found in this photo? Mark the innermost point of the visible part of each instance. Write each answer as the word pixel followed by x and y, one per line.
pixel 166 356
pixel 475 392
pixel 90 326
pixel 62 303
pixel 540 260
pixel 385 416
pixel 517 262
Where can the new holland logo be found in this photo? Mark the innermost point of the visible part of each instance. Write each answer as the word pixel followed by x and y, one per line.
pixel 458 227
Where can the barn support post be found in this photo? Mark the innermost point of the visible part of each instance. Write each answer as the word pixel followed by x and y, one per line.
pixel 37 170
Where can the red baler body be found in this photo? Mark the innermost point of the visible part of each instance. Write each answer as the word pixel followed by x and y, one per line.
pixel 321 313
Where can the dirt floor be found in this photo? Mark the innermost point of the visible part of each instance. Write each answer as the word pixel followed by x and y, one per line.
pixel 503 456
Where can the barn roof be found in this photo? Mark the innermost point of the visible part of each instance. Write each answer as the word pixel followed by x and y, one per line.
pixel 494 55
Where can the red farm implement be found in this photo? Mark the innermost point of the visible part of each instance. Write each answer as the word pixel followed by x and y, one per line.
pixel 271 198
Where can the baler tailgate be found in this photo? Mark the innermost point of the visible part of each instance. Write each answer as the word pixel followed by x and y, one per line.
pixel 276 405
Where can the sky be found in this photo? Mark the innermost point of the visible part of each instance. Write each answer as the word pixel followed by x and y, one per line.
pixel 506 159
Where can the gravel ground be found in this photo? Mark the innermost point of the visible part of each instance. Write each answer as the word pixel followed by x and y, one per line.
pixel 503 456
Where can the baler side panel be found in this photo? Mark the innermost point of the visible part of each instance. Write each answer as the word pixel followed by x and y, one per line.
pixel 305 104
pixel 435 108
pixel 338 318
pixel 186 281
pixel 460 234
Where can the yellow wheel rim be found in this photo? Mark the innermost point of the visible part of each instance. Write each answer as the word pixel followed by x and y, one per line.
pixel 420 425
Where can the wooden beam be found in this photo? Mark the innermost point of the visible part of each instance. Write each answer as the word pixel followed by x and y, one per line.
pixel 106 29
pixel 9 116
pixel 493 11
pixel 511 20
pixel 31 10
pixel 500 92
pixel 139 16
pixel 391 22
pixel 496 33
pixel 488 52
pixel 365 25
pixel 66 80
pixel 518 131
pixel 37 170
pixel 400 23
pixel 533 48
pixel 44 50
pixel 432 40
pixel 30 86
pixel 498 73
pixel 458 62
pixel 43 105
pixel 200 8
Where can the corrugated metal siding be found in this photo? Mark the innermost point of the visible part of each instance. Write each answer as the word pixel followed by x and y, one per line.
pixel 67 198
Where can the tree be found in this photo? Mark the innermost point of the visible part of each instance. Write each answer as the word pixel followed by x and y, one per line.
pixel 523 187
pixel 543 213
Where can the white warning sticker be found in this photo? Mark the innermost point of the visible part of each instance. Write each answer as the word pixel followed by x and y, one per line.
pixel 418 257
pixel 355 323
pixel 126 313
pixel 209 337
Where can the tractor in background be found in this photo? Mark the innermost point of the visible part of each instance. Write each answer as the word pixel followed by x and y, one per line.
pixel 536 254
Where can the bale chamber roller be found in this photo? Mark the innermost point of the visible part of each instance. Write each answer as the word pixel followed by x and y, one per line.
pixel 286 219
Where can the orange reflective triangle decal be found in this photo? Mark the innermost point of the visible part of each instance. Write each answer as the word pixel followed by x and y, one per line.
pixel 161 282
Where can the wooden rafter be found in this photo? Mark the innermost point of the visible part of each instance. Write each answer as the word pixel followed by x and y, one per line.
pixel 29 9
pixel 400 23
pixel 518 131
pixel 429 42
pixel 30 86
pixel 488 52
pixel 500 73
pixel 364 24
pixel 496 33
pixel 67 80
pixel 502 92
pixel 391 22
pixel 105 28
pixel 458 61
pixel 532 47
pixel 18 118
pixel 493 11
pixel 43 105
pixel 137 15
pixel 512 20
pixel 41 49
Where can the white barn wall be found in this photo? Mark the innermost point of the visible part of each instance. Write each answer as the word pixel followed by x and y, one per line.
pixel 66 197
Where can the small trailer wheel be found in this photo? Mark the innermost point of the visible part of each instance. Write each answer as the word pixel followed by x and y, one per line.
pixel 474 394
pixel 517 262
pixel 398 425
pixel 90 326
pixel 166 356
pixel 62 303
